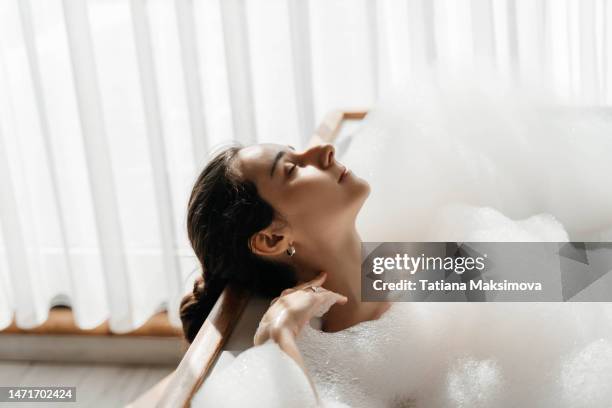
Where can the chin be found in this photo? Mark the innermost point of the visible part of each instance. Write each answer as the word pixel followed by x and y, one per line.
pixel 364 188
pixel 362 195
pixel 367 188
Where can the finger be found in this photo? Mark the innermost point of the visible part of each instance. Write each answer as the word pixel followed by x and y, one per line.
pixel 325 293
pixel 262 333
pixel 330 298
pixel 341 299
pixel 327 300
pixel 338 298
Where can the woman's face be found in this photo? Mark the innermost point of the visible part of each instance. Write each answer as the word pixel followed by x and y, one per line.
pixel 311 190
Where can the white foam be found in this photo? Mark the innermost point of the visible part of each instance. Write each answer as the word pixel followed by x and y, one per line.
pixel 584 372
pixel 474 383
pixel 482 144
pixel 467 355
pixel 462 223
pixel 263 376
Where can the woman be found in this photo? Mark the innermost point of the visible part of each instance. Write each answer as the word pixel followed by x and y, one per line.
pixel 267 216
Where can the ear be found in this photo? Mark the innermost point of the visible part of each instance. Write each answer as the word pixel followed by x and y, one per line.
pixel 270 241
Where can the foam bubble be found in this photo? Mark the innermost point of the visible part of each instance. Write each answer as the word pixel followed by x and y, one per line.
pixel 465 354
pixel 482 144
pixel 438 355
pixel 474 383
pixel 463 223
pixel 262 376
pixel 583 374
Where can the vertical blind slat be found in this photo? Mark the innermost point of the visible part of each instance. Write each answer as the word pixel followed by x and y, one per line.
pixel 99 165
pixel 299 25
pixel 22 254
pixel 150 99
pixel 512 37
pixel 17 255
pixel 25 15
pixel 193 84
pixel 483 34
pixel 606 64
pixel 372 13
pixel 421 30
pixel 541 27
pixel 546 39
pixel 588 68
pixel 573 46
pixel 234 22
pixel 20 233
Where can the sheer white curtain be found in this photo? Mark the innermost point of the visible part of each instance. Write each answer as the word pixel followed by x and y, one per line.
pixel 109 108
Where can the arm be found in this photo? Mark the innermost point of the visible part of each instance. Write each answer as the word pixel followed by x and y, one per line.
pixel 286 341
pixel 289 313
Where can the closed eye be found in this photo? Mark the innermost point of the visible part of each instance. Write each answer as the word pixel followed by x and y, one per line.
pixel 291 169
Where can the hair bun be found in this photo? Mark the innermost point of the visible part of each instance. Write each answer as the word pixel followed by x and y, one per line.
pixel 196 306
pixel 192 310
pixel 198 287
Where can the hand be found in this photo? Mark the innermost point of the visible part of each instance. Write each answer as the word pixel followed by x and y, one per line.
pixel 289 312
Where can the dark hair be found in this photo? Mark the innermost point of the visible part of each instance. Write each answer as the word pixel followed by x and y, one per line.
pixel 224 211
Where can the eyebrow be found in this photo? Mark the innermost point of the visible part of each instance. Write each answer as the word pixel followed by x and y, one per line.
pixel 278 156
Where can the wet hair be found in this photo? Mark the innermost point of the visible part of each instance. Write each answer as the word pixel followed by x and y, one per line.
pixel 224 212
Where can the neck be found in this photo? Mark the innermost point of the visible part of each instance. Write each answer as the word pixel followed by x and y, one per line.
pixel 341 259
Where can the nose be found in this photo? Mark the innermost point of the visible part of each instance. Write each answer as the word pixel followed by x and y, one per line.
pixel 327 155
pixel 322 156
